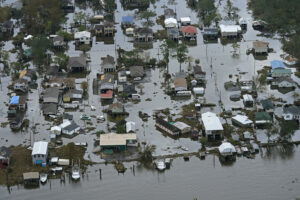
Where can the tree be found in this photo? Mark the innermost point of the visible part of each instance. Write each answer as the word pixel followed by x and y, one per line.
pixel 146 155
pixel 39 46
pixel 146 15
pixel 181 54
pixel 206 10
pixel 287 129
pixel 166 53
pixel 84 86
pixel 235 47
pixel 61 60
pixel 271 130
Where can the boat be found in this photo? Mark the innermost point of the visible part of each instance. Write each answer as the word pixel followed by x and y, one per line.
pixel 75 173
pixel 202 155
pixel 43 177
pixel 168 163
pixel 101 118
pixel 160 165
pixel 184 148
pixel 16 124
pixel 186 157
pixel 85 117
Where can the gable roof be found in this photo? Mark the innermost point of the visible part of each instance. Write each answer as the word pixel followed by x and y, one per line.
pixel 40 147
pixel 259 116
pixel 180 82
pixel 113 139
pixel 267 104
pixel 189 29
pixel 211 122
pixel 77 61
pixel 259 44
pixel 136 71
pixel 295 110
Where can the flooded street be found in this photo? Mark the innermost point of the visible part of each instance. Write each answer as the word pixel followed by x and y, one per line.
pixel 264 178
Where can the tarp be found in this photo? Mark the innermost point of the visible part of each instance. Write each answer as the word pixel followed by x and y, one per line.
pixel 15 100
pixel 226 148
pixel 127 19
pixel 170 23
pixel 277 64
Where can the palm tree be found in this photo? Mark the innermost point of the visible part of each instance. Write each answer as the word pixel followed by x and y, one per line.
pixel 146 156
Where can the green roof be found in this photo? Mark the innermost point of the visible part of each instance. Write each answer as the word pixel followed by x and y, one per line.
pixel 262 116
pixel 282 71
pixel 267 104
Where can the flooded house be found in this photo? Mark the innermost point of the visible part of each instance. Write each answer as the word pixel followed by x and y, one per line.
pixel 241 121
pixel 31 178
pixel 291 113
pixel 7 27
pixel 284 82
pixel 5 154
pixel 267 105
pixel 83 37
pixel 199 74
pixel 183 127
pixel 72 95
pixel 71 129
pixel 39 153
pixel 229 31
pixel 18 103
pixel 262 118
pixel 170 23
pixel 108 64
pixel 107 86
pixel 167 127
pixel 185 21
pixel 143 34
pixel 135 4
pixel 117 141
pixel 127 90
pixel 227 151
pixel 106 29
pixel 137 71
pixel 20 85
pixel 50 101
pixel 279 72
pixel 130 127
pixel 77 64
pixel 260 47
pixel 180 84
pixel 248 100
pixel 127 22
pixel 210 33
pixel 116 109
pixel 169 13
pixel 173 33
pixel 212 126
pixel 189 32
pixel 57 41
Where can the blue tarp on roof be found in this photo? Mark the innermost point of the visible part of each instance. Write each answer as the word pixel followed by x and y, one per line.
pixel 277 64
pixel 15 100
pixel 127 19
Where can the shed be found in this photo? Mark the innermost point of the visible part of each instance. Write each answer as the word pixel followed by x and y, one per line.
pixel 130 127
pixel 63 162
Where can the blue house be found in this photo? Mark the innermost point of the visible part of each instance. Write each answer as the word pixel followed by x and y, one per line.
pixel 127 21
pixel 277 64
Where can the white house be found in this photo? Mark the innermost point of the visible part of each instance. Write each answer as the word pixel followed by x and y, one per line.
pixel 248 100
pixel 71 129
pixel 291 112
pixel 242 121
pixel 170 23
pixel 226 149
pixel 230 30
pixel 212 125
pixel 82 37
pixel 130 127
pixel 39 152
pixel 185 21
pixel 284 82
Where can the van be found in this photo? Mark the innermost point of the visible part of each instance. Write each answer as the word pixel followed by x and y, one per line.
pixel 136 96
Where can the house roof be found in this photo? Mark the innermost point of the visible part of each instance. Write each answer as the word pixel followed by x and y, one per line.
pixel 277 64
pixel 127 19
pixel 211 122
pixel 107 95
pixel 58 38
pixel 295 110
pixel 181 125
pixel 143 31
pixel 210 31
pixel 130 126
pixel 116 106
pixel 73 126
pixel 40 147
pixel 243 119
pixel 267 104
pixel 226 147
pixel 77 61
pixel 259 44
pixel 198 70
pixel 137 71
pixel 180 82
pixel 262 116
pixel 189 29
pixel 230 28
pixel 169 12
pixel 167 125
pixel 51 93
pixel 49 109
pixel 247 97
pixel 172 31
pixel 81 34
pixel 113 139
pixel 185 19
pixel 170 22
pixel 31 175
pixel 108 60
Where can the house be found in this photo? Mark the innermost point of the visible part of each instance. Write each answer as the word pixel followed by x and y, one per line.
pixel 39 153
pixel 262 118
pixel 7 27
pixel 130 127
pixel 53 71
pixel 241 121
pixel 173 33
pixel 122 77
pixel 58 41
pixel 280 72
pixel 230 30
pixel 199 74
pixel 169 13
pixel 55 82
pixel 143 35
pixel 180 84
pixel 212 126
pixel 72 95
pixel 291 112
pixel 104 29
pixel 31 178
pixel 189 32
pixel 51 95
pixel 108 64
pixel 127 21
pixel 116 108
pixel 82 37
pixel 5 154
pixel 18 103
pixel 107 85
pixel 183 127
pixel 210 33
pixel 71 129
pixel 117 141
pixel 275 64
pixel 77 64
pixel 21 85
pixel 126 89
pixel 248 100
pixel 167 127
pixel 49 108
pixel 226 149
pixel 185 21
pixel 29 75
pixel 170 23
pixel 260 47
pixel 267 105
pixel 137 71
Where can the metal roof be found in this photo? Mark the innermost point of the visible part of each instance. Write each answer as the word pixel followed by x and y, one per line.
pixel 40 147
